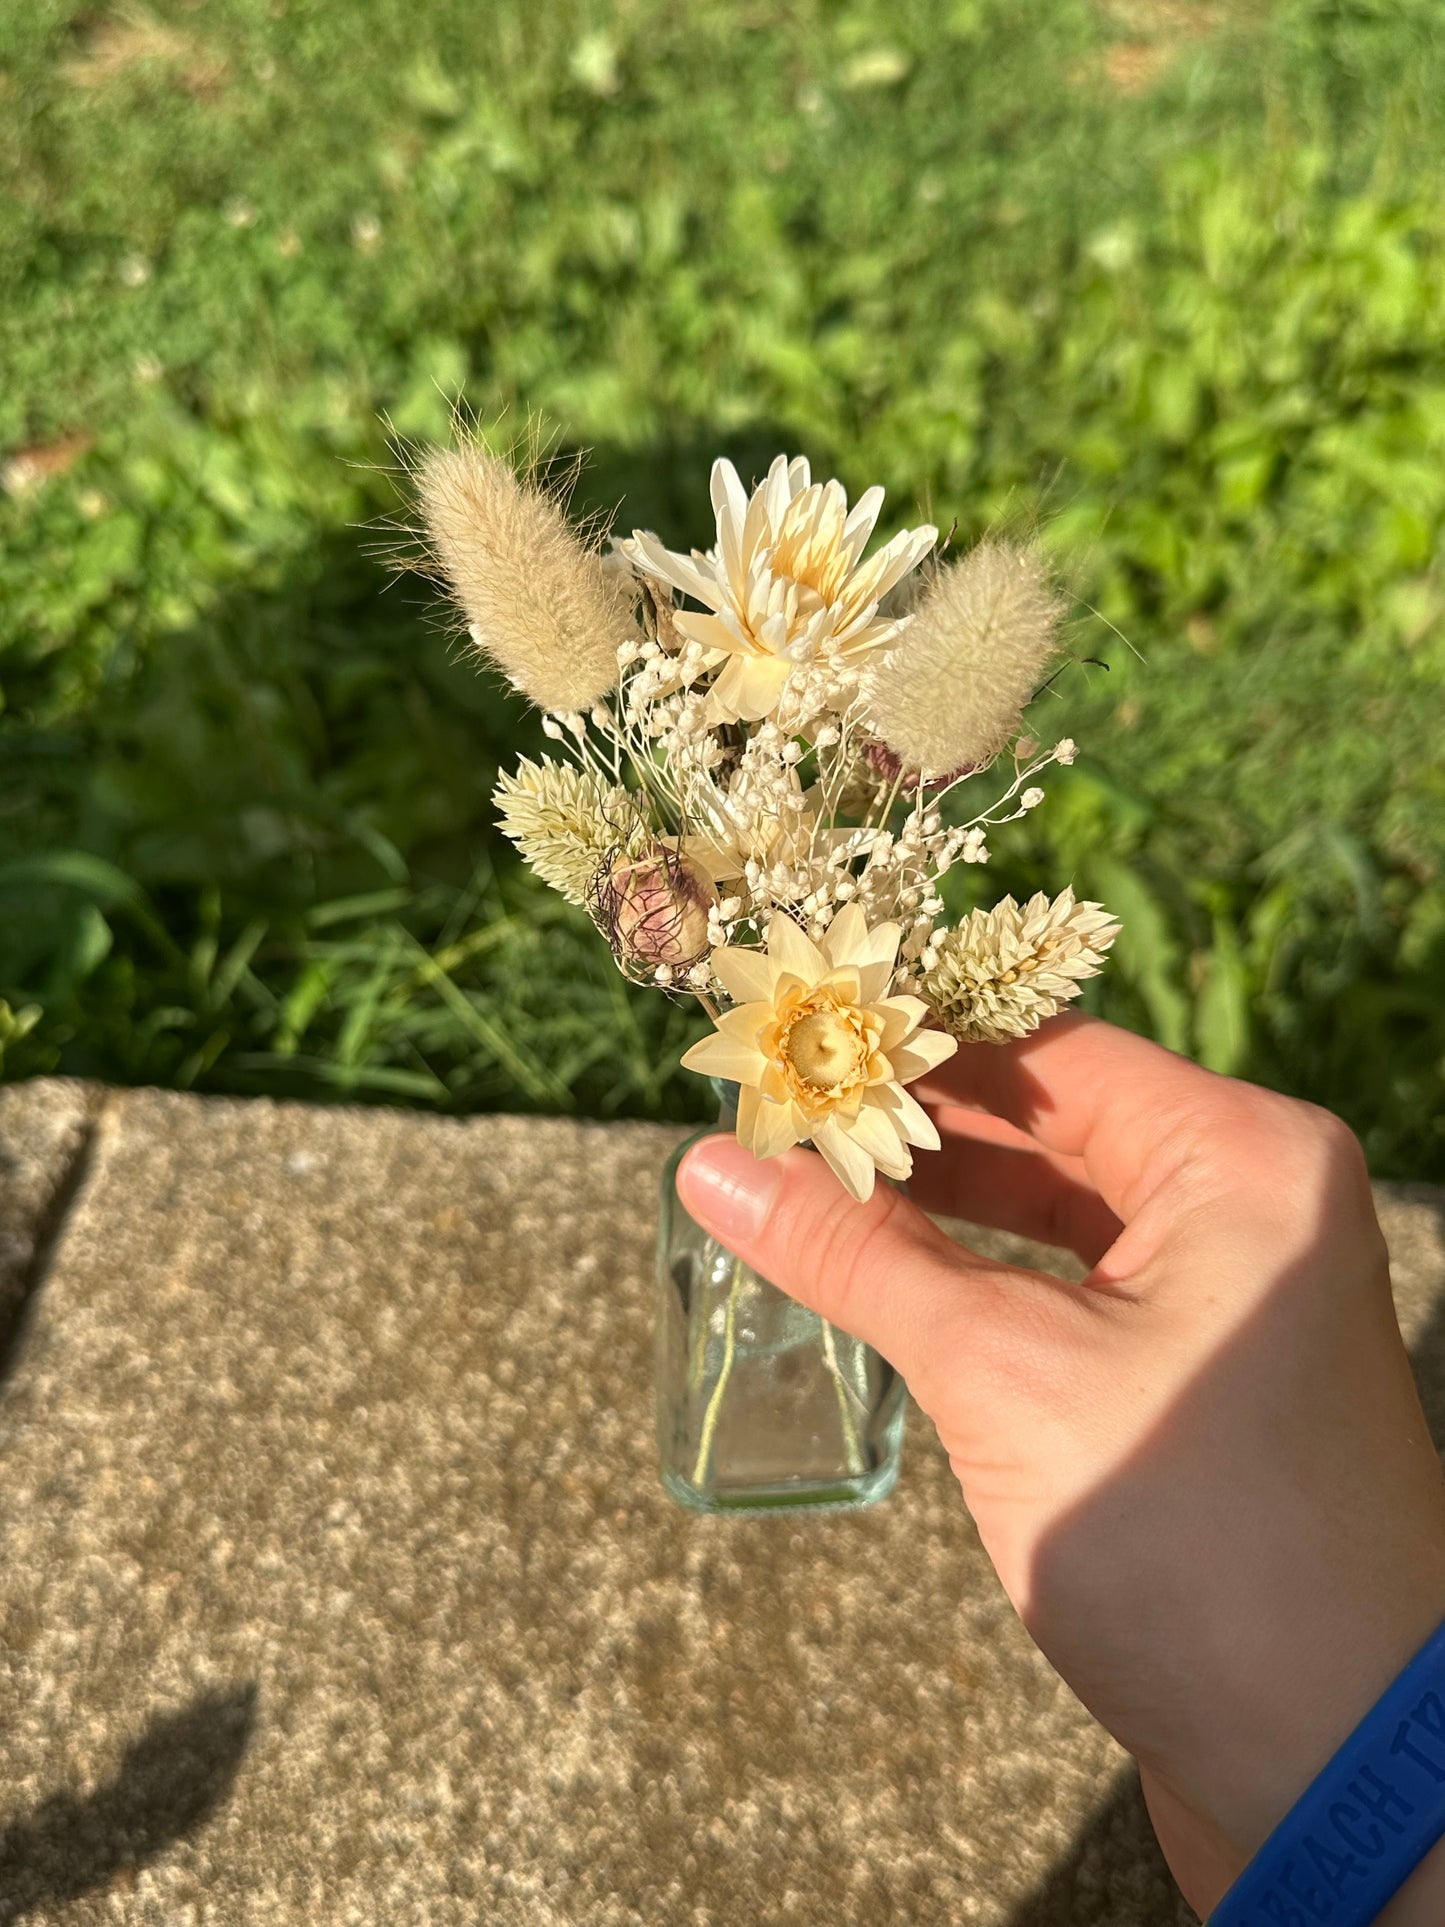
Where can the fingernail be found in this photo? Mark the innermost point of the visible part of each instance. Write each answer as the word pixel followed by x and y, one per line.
pixel 727 1189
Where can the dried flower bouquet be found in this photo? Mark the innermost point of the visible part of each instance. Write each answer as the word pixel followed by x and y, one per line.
pixel 768 758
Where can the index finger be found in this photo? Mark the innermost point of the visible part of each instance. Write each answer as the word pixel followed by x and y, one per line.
pixel 1084 1089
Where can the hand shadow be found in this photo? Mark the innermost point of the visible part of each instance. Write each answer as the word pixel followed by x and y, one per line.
pixel 168 1783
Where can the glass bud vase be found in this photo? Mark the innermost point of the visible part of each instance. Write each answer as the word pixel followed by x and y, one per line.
pixel 760 1402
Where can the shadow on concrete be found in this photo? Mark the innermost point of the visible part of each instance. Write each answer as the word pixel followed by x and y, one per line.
pixel 168 1784
pixel 1427 1356
pixel 18 1303
pixel 1115 1871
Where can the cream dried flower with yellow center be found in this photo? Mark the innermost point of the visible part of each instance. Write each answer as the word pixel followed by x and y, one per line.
pixel 820 1051
pixel 785 587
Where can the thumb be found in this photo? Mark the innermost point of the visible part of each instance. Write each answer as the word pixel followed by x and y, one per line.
pixel 880 1270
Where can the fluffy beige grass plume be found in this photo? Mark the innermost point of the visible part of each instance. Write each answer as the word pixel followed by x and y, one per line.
pixel 950 693
pixel 537 600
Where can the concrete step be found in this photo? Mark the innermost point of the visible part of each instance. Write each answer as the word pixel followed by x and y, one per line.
pixel 338 1586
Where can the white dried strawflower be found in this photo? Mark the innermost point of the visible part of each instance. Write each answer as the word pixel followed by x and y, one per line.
pixel 1003 971
pixel 566 822
pixel 538 601
pixel 785 589
pixel 951 691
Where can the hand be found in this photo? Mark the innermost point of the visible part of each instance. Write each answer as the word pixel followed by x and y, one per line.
pixel 1203 1475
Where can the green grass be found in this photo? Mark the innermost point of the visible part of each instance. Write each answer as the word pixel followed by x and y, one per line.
pixel 1173 287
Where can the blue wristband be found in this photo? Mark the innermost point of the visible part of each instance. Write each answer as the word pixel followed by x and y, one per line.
pixel 1362 1827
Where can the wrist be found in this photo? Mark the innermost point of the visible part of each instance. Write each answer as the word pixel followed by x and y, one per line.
pixel 1261 1756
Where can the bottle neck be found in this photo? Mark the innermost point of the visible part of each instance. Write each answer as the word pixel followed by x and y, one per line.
pixel 727 1103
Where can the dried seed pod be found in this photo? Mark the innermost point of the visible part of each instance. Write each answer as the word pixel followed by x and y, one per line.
pixel 654 910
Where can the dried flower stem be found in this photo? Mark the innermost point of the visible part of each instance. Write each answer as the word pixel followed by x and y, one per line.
pixel 845 1392
pixel 714 1404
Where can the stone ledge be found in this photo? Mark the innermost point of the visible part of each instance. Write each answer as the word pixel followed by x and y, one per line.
pixel 339 1587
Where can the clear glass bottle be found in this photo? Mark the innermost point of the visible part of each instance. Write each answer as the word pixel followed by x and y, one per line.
pixel 760 1402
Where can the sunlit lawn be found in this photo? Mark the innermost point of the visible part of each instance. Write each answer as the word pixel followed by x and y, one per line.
pixel 1163 279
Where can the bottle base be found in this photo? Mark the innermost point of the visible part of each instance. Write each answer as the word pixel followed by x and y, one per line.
pixel 846 1494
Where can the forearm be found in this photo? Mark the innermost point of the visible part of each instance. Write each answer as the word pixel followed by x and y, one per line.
pixel 1323 1610
pixel 1216 1804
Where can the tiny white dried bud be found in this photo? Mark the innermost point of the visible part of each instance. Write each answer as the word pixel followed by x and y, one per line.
pixel 1065 750
pixel 1031 799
